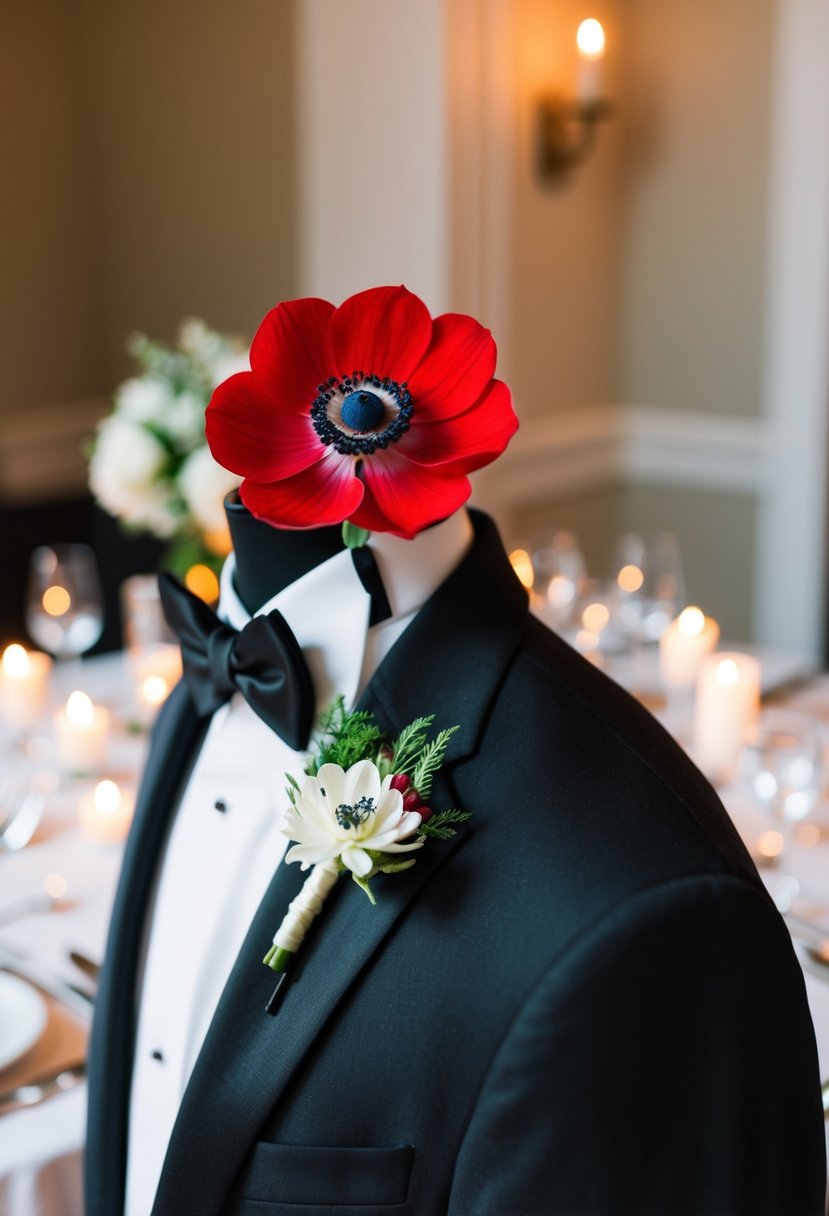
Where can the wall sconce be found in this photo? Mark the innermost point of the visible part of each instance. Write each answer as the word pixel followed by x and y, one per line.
pixel 567 127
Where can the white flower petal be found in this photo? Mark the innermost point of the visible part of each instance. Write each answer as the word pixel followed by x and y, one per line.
pixel 389 810
pixel 362 781
pixel 332 779
pixel 357 860
pixel 311 854
pixel 402 848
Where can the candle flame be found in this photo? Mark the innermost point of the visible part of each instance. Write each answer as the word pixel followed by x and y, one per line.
pixel 154 689
pixel 590 38
pixel 595 617
pixel 16 662
pixel 107 797
pixel 727 674
pixel 201 580
pixel 630 578
pixel 80 711
pixel 56 601
pixel 691 622
pixel 770 845
pixel 522 564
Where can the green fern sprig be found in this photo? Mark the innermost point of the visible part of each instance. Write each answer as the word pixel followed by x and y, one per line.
pixel 439 827
pixel 430 760
pixel 410 743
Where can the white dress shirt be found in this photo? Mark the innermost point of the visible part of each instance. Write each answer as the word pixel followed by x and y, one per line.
pixel 225 840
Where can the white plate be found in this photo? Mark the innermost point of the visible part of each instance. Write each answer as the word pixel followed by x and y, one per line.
pixel 22 1018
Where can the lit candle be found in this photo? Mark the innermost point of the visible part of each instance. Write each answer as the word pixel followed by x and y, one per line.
pixel 155 669
pixel 683 646
pixel 81 734
pixel 24 686
pixel 727 704
pixel 106 814
pixel 590 41
pixel 522 564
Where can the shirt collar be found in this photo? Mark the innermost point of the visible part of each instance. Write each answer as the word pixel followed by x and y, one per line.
pixel 328 608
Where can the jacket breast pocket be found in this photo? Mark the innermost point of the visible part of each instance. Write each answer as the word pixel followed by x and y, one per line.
pixel 283 1178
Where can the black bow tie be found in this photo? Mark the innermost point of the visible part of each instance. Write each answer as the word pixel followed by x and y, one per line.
pixel 263 662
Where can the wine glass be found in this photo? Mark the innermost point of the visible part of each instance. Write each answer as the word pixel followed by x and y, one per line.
pixel 782 763
pixel 647 573
pixel 64 602
pixel 559 578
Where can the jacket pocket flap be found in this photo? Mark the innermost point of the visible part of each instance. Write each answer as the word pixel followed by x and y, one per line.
pixel 298 1173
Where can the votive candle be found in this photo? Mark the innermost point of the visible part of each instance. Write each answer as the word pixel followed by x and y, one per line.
pixel 24 686
pixel 727 704
pixel 81 734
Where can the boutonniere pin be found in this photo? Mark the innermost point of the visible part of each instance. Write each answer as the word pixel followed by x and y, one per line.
pixel 361 809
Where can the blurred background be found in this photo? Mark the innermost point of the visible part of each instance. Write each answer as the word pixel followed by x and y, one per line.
pixel 660 306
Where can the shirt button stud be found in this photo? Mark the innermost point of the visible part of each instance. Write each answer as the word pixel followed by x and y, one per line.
pixel 220 805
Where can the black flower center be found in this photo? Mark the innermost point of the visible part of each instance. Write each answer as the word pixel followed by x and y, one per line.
pixel 360 413
pixel 353 816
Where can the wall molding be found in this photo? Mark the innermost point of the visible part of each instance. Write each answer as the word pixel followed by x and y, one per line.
pixel 41 450
pixel 604 445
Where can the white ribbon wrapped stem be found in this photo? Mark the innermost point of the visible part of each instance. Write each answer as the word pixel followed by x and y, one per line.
pixel 306 905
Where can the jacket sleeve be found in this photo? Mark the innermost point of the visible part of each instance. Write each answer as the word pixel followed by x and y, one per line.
pixel 665 1063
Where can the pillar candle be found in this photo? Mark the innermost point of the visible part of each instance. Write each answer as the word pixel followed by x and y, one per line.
pixel 81 734
pixel 106 814
pixel 683 646
pixel 727 704
pixel 24 686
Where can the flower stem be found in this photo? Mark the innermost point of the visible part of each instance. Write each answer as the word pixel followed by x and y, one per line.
pixel 301 912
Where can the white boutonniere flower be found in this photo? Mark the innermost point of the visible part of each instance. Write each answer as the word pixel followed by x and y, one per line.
pixel 361 809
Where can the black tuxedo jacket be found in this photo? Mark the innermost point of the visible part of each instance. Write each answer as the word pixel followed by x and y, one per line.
pixel 584 1003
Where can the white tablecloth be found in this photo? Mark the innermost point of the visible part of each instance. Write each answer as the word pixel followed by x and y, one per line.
pixel 40 1148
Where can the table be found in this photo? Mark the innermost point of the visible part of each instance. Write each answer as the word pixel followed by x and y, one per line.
pixel 40 1148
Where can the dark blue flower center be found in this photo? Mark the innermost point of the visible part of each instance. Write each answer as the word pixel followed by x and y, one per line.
pixel 353 816
pixel 362 411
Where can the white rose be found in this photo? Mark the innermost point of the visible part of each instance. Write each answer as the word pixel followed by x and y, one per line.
pixel 203 484
pixel 124 474
pixel 183 420
pixel 142 399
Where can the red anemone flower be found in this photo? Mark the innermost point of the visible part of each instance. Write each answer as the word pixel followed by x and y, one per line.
pixel 371 412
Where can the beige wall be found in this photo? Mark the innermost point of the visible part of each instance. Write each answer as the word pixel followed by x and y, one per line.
pixel 565 238
pixel 697 97
pixel 149 174
pixel 49 305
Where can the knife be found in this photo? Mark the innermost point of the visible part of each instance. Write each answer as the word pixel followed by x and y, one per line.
pixel 42 1087
pixel 69 995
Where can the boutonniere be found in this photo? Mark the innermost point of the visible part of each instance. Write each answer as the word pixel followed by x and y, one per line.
pixel 361 809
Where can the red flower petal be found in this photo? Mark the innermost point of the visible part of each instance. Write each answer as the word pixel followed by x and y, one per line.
pixel 404 498
pixel 384 331
pixel 248 433
pixel 290 352
pixel 327 493
pixel 455 370
pixel 473 438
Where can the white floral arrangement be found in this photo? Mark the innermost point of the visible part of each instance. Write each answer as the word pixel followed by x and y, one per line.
pixel 149 464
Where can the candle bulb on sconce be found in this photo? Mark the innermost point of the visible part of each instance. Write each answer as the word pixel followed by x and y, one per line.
pixel 566 127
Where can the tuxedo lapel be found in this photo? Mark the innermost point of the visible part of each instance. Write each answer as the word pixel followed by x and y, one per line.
pixel 449 662
pixel 174 741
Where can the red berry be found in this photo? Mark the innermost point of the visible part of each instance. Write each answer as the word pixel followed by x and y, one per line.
pixel 425 813
pixel 411 801
pixel 400 782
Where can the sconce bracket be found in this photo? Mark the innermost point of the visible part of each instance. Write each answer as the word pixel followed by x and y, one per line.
pixel 566 134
